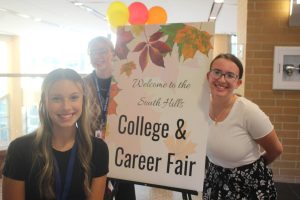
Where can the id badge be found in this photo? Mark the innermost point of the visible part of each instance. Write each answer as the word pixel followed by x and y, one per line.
pixel 99 134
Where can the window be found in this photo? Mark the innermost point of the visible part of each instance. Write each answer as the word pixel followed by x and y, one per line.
pixel 234 46
pixel 4 122
pixel 24 62
pixel 61 51
pixel 4 111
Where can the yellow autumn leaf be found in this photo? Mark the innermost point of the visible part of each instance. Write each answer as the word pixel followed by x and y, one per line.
pixel 137 30
pixel 127 68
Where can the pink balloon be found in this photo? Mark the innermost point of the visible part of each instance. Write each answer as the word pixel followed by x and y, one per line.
pixel 138 13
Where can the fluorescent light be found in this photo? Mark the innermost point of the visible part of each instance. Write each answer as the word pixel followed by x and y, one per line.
pixel 78 3
pixel 89 9
pixel 3 10
pixel 215 9
pixel 37 19
pixel 23 15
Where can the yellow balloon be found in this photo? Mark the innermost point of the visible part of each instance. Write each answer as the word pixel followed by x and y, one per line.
pixel 117 14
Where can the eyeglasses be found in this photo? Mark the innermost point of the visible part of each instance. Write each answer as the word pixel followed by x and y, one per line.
pixel 96 52
pixel 229 76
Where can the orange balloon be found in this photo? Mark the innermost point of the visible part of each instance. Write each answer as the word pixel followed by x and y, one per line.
pixel 157 15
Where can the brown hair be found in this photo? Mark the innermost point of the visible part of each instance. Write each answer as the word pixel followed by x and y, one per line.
pixel 232 58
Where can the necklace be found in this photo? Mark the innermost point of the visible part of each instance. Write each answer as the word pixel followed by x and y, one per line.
pixel 217 117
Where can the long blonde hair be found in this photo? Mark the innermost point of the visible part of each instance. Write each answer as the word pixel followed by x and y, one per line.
pixel 44 135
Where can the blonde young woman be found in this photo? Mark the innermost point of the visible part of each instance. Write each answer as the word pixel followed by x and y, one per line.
pixel 60 160
pixel 239 131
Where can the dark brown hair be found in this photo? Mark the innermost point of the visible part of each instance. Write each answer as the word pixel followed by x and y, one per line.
pixel 234 59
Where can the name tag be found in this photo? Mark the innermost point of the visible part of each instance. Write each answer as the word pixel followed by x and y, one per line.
pixel 99 134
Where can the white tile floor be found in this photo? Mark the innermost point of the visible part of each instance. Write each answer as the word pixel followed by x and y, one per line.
pixel 149 193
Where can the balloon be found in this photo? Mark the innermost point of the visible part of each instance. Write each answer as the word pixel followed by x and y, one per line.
pixel 117 14
pixel 138 13
pixel 157 15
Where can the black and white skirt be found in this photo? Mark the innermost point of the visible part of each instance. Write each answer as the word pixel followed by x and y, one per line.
pixel 248 182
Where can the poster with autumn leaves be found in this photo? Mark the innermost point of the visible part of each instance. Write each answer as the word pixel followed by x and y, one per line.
pixel 158 109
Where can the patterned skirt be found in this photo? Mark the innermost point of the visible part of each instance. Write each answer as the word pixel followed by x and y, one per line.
pixel 248 182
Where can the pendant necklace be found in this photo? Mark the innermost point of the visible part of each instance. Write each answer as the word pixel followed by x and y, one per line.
pixel 216 118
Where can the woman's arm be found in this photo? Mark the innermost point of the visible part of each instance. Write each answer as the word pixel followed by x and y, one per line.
pixel 98 188
pixel 272 146
pixel 12 189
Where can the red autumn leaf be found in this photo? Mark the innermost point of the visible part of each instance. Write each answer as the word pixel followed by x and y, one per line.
pixel 143 59
pixel 127 68
pixel 139 46
pixel 155 36
pixel 157 50
pixel 161 46
pixel 156 56
pixel 123 38
pixel 112 107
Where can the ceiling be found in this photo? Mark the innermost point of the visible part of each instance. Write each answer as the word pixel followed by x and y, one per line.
pixel 57 15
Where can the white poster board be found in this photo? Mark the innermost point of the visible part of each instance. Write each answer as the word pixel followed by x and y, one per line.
pixel 158 111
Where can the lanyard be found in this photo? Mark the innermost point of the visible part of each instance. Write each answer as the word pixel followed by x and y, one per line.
pixel 62 195
pixel 103 99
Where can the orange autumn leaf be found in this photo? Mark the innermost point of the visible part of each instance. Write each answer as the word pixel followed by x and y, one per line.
pixel 188 51
pixel 204 46
pixel 190 40
pixel 127 68
pixel 112 106
pixel 114 90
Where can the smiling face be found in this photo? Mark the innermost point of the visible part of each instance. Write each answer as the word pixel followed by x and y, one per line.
pixel 101 55
pixel 223 77
pixel 64 103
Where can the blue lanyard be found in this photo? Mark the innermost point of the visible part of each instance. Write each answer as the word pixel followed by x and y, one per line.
pixel 70 168
pixel 103 102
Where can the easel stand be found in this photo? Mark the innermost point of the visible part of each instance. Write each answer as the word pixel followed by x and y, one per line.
pixel 186 194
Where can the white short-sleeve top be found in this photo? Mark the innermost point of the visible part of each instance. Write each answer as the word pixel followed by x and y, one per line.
pixel 231 142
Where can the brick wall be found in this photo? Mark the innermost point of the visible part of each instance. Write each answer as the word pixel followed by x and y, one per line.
pixel 267 26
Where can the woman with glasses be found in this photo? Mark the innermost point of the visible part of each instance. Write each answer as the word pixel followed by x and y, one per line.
pixel 60 160
pixel 101 52
pixel 241 139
